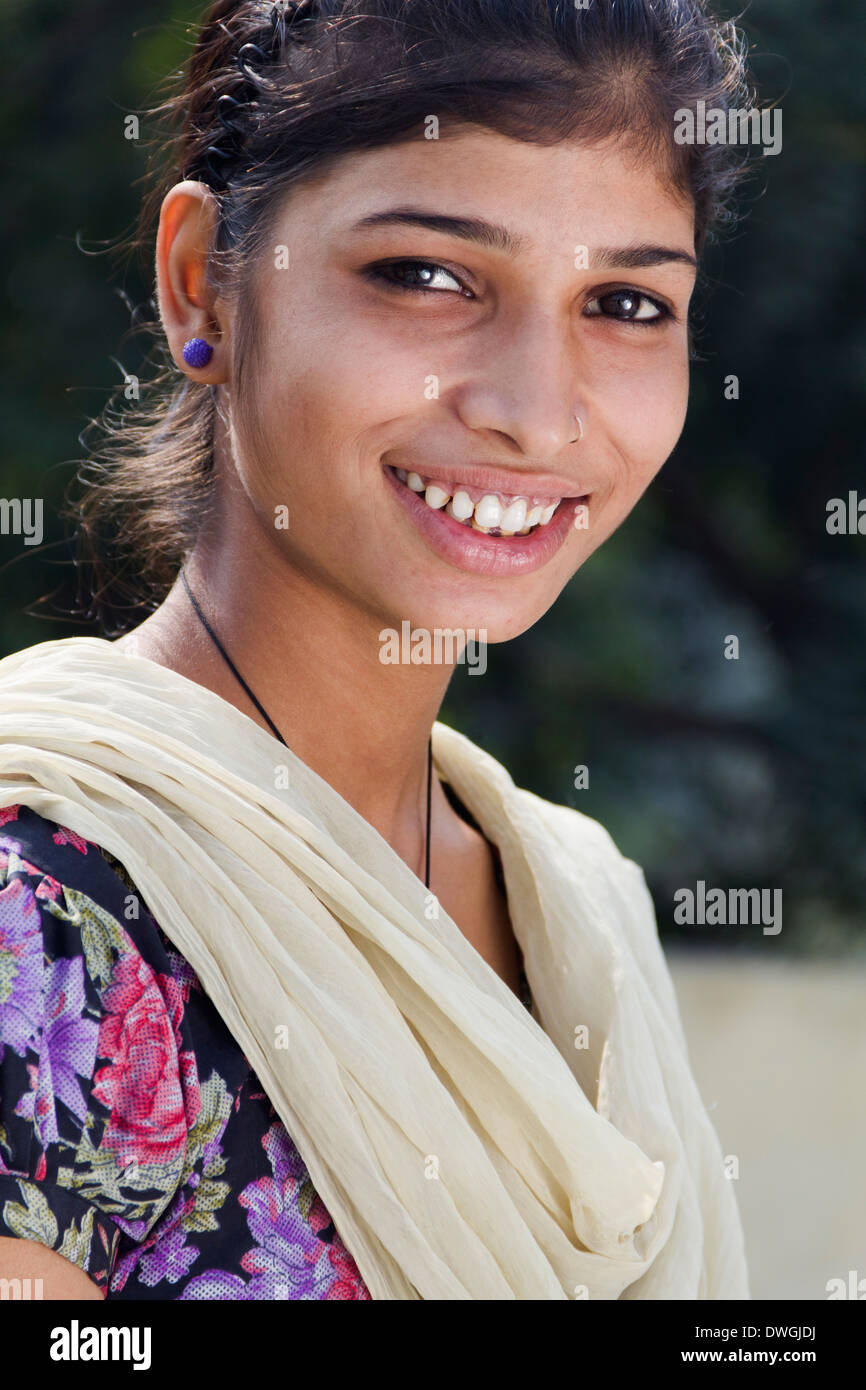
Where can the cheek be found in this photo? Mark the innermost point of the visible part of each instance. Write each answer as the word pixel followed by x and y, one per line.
pixel 646 412
pixel 331 386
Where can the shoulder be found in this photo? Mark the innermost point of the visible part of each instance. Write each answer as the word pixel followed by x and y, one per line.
pixel 588 848
pixel 83 891
pixel 592 865
pixel 59 859
pixel 591 857
pixel 97 1085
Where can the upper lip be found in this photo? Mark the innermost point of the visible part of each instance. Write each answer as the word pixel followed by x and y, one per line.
pixel 509 482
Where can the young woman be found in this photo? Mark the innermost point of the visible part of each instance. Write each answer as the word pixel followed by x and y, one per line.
pixel 301 996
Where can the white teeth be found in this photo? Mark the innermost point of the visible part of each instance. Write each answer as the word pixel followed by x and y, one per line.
pixel 514 517
pixel 434 496
pixel 462 506
pixel 488 512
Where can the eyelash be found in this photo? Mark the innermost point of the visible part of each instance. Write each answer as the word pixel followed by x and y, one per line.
pixel 379 274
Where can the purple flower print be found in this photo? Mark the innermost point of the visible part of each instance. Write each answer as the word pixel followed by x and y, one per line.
pixel 67 1050
pixel 288 1261
pixel 169 1259
pixel 287 1254
pixel 217 1284
pixel 20 967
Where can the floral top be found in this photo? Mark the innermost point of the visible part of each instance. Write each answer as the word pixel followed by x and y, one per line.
pixel 135 1139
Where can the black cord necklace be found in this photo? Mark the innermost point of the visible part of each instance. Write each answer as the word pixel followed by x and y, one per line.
pixel 263 712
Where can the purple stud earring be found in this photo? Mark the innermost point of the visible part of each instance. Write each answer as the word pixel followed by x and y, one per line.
pixel 197 352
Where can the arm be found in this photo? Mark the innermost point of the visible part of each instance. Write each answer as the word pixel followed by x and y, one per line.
pixel 27 1259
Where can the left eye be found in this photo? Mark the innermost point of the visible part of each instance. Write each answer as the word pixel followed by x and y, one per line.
pixel 629 306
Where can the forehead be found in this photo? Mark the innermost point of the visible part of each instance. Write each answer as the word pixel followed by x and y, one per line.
pixel 549 196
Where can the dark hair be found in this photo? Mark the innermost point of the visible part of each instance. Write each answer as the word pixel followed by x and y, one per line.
pixel 273 93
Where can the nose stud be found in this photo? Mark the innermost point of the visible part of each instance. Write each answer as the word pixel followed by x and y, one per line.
pixel 580 428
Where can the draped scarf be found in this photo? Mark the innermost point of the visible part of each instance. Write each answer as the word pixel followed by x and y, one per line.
pixel 465 1147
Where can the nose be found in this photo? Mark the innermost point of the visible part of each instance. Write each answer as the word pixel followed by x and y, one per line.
pixel 523 384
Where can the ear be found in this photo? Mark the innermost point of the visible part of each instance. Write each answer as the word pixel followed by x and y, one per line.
pixel 188 306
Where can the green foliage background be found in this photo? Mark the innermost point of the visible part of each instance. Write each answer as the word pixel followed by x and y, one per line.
pixel 745 773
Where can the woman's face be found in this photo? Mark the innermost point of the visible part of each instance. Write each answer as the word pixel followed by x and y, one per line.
pixel 555 284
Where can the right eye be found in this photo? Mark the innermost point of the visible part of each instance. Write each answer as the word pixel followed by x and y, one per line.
pixel 420 276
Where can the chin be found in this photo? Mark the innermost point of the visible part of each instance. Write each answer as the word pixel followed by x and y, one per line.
pixel 496 620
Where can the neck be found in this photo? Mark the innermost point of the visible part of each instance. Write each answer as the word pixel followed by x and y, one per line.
pixel 312 661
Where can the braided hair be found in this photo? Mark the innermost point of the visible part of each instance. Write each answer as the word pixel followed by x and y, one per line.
pixel 284 21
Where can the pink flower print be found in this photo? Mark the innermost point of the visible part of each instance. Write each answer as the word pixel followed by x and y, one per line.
pixel 150 1114
pixel 63 836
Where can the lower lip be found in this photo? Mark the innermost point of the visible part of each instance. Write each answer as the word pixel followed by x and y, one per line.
pixel 472 550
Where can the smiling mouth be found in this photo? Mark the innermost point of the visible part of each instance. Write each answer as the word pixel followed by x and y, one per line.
pixel 491 513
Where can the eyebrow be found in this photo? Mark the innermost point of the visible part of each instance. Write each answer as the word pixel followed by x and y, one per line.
pixel 499 238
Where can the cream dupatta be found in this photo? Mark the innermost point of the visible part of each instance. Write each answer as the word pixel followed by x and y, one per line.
pixel 464 1148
